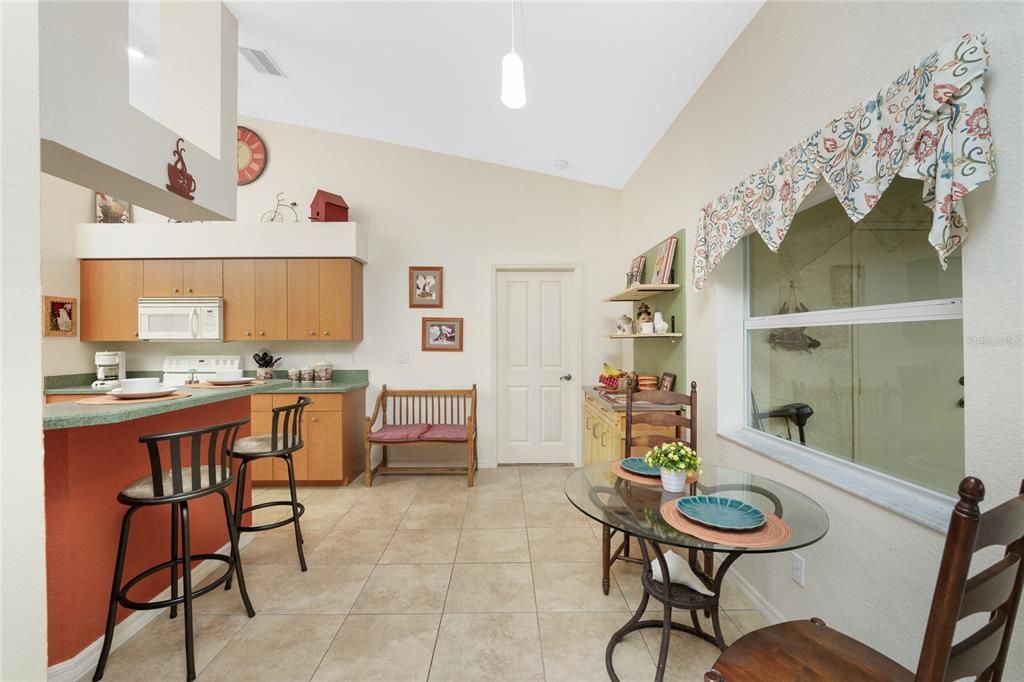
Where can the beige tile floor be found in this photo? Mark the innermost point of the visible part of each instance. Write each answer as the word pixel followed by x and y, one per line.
pixel 419 578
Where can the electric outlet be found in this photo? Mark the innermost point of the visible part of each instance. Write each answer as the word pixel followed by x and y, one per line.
pixel 796 570
pixel 403 358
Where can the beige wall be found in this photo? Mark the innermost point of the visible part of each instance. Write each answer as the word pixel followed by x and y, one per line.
pixel 796 66
pixel 424 208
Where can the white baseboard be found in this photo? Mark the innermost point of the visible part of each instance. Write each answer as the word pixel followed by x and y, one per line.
pixel 84 663
pixel 756 599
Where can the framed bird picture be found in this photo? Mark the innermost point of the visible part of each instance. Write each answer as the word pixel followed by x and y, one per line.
pixel 426 286
pixel 60 316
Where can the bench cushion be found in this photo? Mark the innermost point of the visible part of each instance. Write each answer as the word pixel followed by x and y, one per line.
pixel 446 433
pixel 397 432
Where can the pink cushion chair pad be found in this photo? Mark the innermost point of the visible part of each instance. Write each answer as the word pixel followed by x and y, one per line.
pixel 446 432
pixel 398 432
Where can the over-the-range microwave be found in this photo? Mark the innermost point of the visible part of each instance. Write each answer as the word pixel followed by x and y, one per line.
pixel 181 319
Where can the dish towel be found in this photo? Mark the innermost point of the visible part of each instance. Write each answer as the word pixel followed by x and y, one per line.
pixel 679 572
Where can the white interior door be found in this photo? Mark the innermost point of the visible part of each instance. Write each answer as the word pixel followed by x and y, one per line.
pixel 537 342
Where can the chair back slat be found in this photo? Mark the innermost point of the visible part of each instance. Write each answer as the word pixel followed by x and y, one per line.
pixel 988 590
pixel 217 470
pixel 661 419
pixel 996 589
pixel 1002 525
pixel 196 463
pixel 286 426
pixel 636 440
pixel 977 653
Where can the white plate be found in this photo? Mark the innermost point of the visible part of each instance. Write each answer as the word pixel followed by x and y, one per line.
pixel 164 391
pixel 231 382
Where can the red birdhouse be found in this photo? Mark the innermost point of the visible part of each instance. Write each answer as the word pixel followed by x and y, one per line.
pixel 328 208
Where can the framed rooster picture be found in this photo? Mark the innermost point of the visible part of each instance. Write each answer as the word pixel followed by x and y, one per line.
pixel 60 316
pixel 426 286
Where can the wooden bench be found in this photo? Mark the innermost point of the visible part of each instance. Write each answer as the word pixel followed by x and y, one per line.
pixel 422 417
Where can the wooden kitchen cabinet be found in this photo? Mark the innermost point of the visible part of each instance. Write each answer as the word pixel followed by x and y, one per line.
pixel 110 291
pixel 239 299
pixel 271 287
pixel 332 430
pixel 604 430
pixel 341 299
pixel 303 299
pixel 170 278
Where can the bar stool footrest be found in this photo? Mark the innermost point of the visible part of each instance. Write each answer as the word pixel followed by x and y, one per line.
pixel 275 524
pixel 122 596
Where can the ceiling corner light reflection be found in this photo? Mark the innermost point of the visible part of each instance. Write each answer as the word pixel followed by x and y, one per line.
pixel 135 51
pixel 513 79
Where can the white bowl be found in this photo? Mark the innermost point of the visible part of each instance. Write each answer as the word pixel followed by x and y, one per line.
pixel 145 385
pixel 229 374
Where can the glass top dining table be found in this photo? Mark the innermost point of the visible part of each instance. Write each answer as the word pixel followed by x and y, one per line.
pixel 635 509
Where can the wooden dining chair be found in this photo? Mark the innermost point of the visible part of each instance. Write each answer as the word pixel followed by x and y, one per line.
pixel 810 650
pixel 638 442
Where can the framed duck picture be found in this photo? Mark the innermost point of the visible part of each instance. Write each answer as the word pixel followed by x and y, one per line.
pixel 426 286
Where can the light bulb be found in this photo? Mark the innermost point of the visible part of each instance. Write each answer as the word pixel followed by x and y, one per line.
pixel 513 82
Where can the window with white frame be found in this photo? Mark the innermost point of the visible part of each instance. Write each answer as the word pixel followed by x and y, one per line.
pixel 855 340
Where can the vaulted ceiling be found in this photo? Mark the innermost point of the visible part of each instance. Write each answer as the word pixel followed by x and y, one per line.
pixel 603 80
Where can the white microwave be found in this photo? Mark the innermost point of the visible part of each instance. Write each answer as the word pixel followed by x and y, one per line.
pixel 181 319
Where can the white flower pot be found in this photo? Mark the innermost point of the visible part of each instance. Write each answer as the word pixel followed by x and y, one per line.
pixel 673 481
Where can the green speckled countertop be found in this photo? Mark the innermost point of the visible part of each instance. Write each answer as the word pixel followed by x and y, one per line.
pixel 70 415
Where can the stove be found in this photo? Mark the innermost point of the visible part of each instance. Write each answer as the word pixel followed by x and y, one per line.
pixel 179 368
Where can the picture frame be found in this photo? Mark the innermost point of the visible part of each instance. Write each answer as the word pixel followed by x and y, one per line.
pixel 111 210
pixel 668 381
pixel 663 262
pixel 444 334
pixel 426 286
pixel 60 316
pixel 636 270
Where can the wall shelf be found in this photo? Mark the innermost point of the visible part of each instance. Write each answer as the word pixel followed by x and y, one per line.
pixel 642 291
pixel 666 335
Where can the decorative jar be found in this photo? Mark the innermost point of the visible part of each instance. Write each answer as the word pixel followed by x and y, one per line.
pixel 264 373
pixel 323 372
pixel 306 375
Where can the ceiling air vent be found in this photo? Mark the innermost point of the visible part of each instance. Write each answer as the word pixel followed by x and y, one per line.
pixel 261 61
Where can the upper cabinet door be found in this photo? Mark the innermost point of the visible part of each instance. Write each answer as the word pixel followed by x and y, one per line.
pixel 110 299
pixel 239 299
pixel 341 299
pixel 162 278
pixel 303 299
pixel 271 280
pixel 202 278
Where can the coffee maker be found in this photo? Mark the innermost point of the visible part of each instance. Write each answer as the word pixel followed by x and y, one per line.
pixel 110 369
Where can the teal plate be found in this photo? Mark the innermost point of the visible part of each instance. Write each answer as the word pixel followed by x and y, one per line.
pixel 637 465
pixel 721 512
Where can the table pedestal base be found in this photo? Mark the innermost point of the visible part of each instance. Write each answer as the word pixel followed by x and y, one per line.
pixel 678 597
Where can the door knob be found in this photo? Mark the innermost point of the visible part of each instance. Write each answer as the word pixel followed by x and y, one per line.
pixel 566 377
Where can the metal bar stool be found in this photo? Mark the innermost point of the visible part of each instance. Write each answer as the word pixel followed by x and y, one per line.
pixel 187 479
pixel 285 437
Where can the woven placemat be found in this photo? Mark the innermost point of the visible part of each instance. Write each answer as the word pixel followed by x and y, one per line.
pixel 111 400
pixel 207 384
pixel 618 470
pixel 774 532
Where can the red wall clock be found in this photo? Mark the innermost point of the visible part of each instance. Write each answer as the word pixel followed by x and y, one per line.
pixel 252 156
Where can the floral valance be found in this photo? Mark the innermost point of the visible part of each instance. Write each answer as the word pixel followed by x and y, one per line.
pixel 929 124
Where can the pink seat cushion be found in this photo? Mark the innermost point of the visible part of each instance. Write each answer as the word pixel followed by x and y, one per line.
pixel 396 432
pixel 446 432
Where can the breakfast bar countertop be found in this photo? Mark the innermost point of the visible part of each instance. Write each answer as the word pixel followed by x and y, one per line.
pixel 70 415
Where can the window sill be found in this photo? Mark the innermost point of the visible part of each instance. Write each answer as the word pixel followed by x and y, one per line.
pixel 914 502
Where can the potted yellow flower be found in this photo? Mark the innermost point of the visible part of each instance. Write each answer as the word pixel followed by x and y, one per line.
pixel 678 463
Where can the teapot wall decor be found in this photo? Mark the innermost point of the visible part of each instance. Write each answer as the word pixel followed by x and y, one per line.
pixel 179 180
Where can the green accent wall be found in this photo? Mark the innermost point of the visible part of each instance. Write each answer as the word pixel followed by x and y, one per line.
pixel 655 356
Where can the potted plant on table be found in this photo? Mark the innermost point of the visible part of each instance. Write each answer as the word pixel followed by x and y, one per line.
pixel 678 463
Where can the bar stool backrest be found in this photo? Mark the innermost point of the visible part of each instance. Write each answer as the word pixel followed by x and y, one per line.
pixel 214 459
pixel 286 428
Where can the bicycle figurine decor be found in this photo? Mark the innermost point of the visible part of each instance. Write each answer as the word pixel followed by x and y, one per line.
pixel 284 212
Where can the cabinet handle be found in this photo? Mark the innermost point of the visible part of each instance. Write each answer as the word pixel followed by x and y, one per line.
pixel 263 333
pixel 248 333
pixel 312 333
pixel 314 418
pixel 177 290
pixel 603 434
pixel 190 290
pixel 326 333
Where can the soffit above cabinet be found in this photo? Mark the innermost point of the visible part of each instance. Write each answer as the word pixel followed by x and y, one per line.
pixel 220 240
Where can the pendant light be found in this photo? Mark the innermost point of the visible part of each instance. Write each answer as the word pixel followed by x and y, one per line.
pixel 513 80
